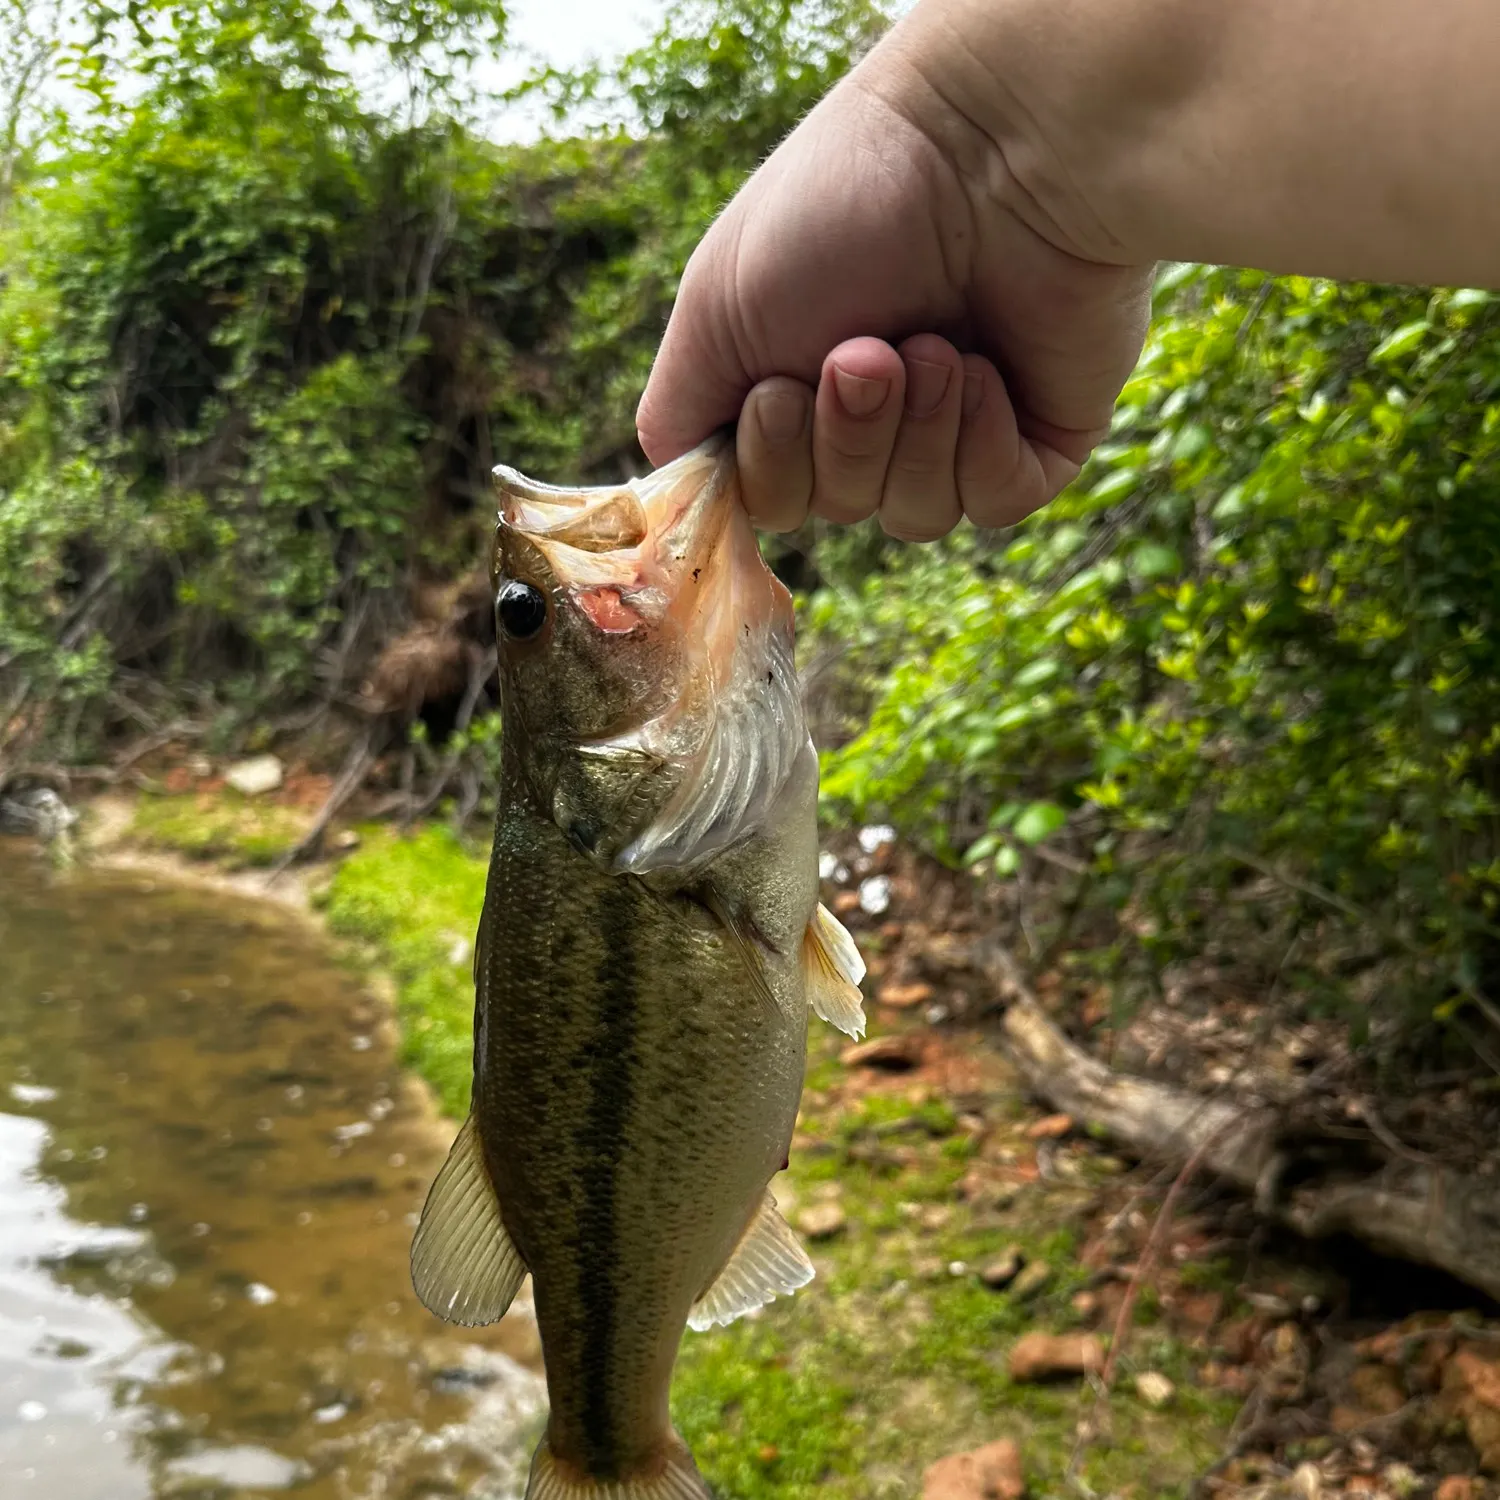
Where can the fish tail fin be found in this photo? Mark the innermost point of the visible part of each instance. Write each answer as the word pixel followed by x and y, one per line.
pixel 675 1479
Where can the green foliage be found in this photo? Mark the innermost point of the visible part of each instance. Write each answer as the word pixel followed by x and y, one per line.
pixel 1259 634
pixel 261 343
pixel 416 901
pixel 232 830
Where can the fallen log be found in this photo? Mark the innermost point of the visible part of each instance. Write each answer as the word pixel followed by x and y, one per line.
pixel 1413 1209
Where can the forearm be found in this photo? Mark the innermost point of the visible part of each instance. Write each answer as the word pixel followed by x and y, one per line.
pixel 1349 138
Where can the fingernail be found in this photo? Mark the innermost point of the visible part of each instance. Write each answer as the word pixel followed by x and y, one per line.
pixel 973 392
pixel 858 394
pixel 926 385
pixel 780 415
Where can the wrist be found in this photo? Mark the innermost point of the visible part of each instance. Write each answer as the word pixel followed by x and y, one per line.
pixel 1045 108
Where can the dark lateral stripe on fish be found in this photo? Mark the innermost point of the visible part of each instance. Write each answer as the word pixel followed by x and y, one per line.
pixel 613 1084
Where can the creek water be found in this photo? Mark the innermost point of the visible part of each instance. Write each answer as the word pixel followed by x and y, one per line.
pixel 210 1165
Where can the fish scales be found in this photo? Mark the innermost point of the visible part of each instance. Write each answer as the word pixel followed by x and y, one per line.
pixel 650 944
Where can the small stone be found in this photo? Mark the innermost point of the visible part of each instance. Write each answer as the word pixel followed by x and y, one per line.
pixel 821 1221
pixel 345 840
pixel 1050 1356
pixel 1378 1387
pixel 1049 1128
pixel 992 1472
pixel 1307 1481
pixel 253 777
pixel 896 1053
pixel 1000 1272
pixel 1085 1304
pixel 1154 1389
pixel 1032 1279
pixel 1402 1479
pixel 904 996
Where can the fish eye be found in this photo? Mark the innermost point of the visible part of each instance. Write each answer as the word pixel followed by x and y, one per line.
pixel 520 608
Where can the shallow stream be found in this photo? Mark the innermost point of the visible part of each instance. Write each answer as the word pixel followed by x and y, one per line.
pixel 210 1161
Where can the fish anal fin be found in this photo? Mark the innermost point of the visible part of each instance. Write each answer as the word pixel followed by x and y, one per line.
pixel 768 1262
pixel 675 1478
pixel 832 969
pixel 464 1266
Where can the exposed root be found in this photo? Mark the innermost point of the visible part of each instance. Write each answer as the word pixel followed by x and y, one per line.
pixel 1401 1206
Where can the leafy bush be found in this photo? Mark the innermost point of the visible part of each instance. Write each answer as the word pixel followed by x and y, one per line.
pixel 1259 637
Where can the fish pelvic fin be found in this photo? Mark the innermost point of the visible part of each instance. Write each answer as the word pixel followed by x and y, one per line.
pixel 832 969
pixel 768 1262
pixel 464 1266
pixel 677 1478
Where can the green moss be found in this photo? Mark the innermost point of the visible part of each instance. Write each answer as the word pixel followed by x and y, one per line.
pixel 415 899
pixel 234 830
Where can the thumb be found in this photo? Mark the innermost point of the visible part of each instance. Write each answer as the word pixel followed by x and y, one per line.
pixel 699 379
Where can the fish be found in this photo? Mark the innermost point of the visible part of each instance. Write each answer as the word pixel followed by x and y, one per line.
pixel 650 946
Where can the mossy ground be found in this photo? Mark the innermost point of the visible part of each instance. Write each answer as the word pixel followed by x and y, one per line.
pixel 223 826
pixel 896 1354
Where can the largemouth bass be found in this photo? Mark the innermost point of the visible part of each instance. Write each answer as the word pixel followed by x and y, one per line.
pixel 650 946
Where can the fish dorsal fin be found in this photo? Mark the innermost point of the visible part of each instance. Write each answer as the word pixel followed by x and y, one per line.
pixel 832 969
pixel 731 781
pixel 464 1265
pixel 768 1262
pixel 673 1476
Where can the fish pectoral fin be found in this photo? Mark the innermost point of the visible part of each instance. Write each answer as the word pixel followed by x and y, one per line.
pixel 832 968
pixel 464 1266
pixel 740 935
pixel 768 1262
pixel 674 1477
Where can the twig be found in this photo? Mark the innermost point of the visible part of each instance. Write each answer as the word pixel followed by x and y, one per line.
pixel 356 765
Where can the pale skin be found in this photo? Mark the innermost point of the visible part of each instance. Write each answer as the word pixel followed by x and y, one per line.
pixel 926 301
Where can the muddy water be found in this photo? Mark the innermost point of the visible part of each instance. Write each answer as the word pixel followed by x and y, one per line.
pixel 209 1167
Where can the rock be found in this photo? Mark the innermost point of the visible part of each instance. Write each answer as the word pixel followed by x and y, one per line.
pixel 1471 1390
pixel 992 1472
pixel 1051 1356
pixel 1032 1279
pixel 896 1053
pixel 256 776
pixel 1455 1487
pixel 1154 1389
pixel 1049 1128
pixel 1000 1272
pixel 1378 1389
pixel 821 1221
pixel 1307 1482
pixel 874 896
pixel 345 840
pixel 1085 1304
pixel 904 996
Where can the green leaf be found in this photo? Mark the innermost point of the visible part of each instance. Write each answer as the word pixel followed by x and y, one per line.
pixel 1402 341
pixel 1039 821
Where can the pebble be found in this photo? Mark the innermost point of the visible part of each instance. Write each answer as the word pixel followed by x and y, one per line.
pixel 897 1052
pixel 992 1472
pixel 904 996
pixel 1000 1272
pixel 1049 1128
pixel 1045 1356
pixel 1154 1389
pixel 1032 1279
pixel 821 1221
pixel 253 777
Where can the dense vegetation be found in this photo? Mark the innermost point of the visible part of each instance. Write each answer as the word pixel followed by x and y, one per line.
pixel 260 341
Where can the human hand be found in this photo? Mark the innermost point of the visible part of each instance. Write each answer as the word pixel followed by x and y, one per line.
pixel 887 328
